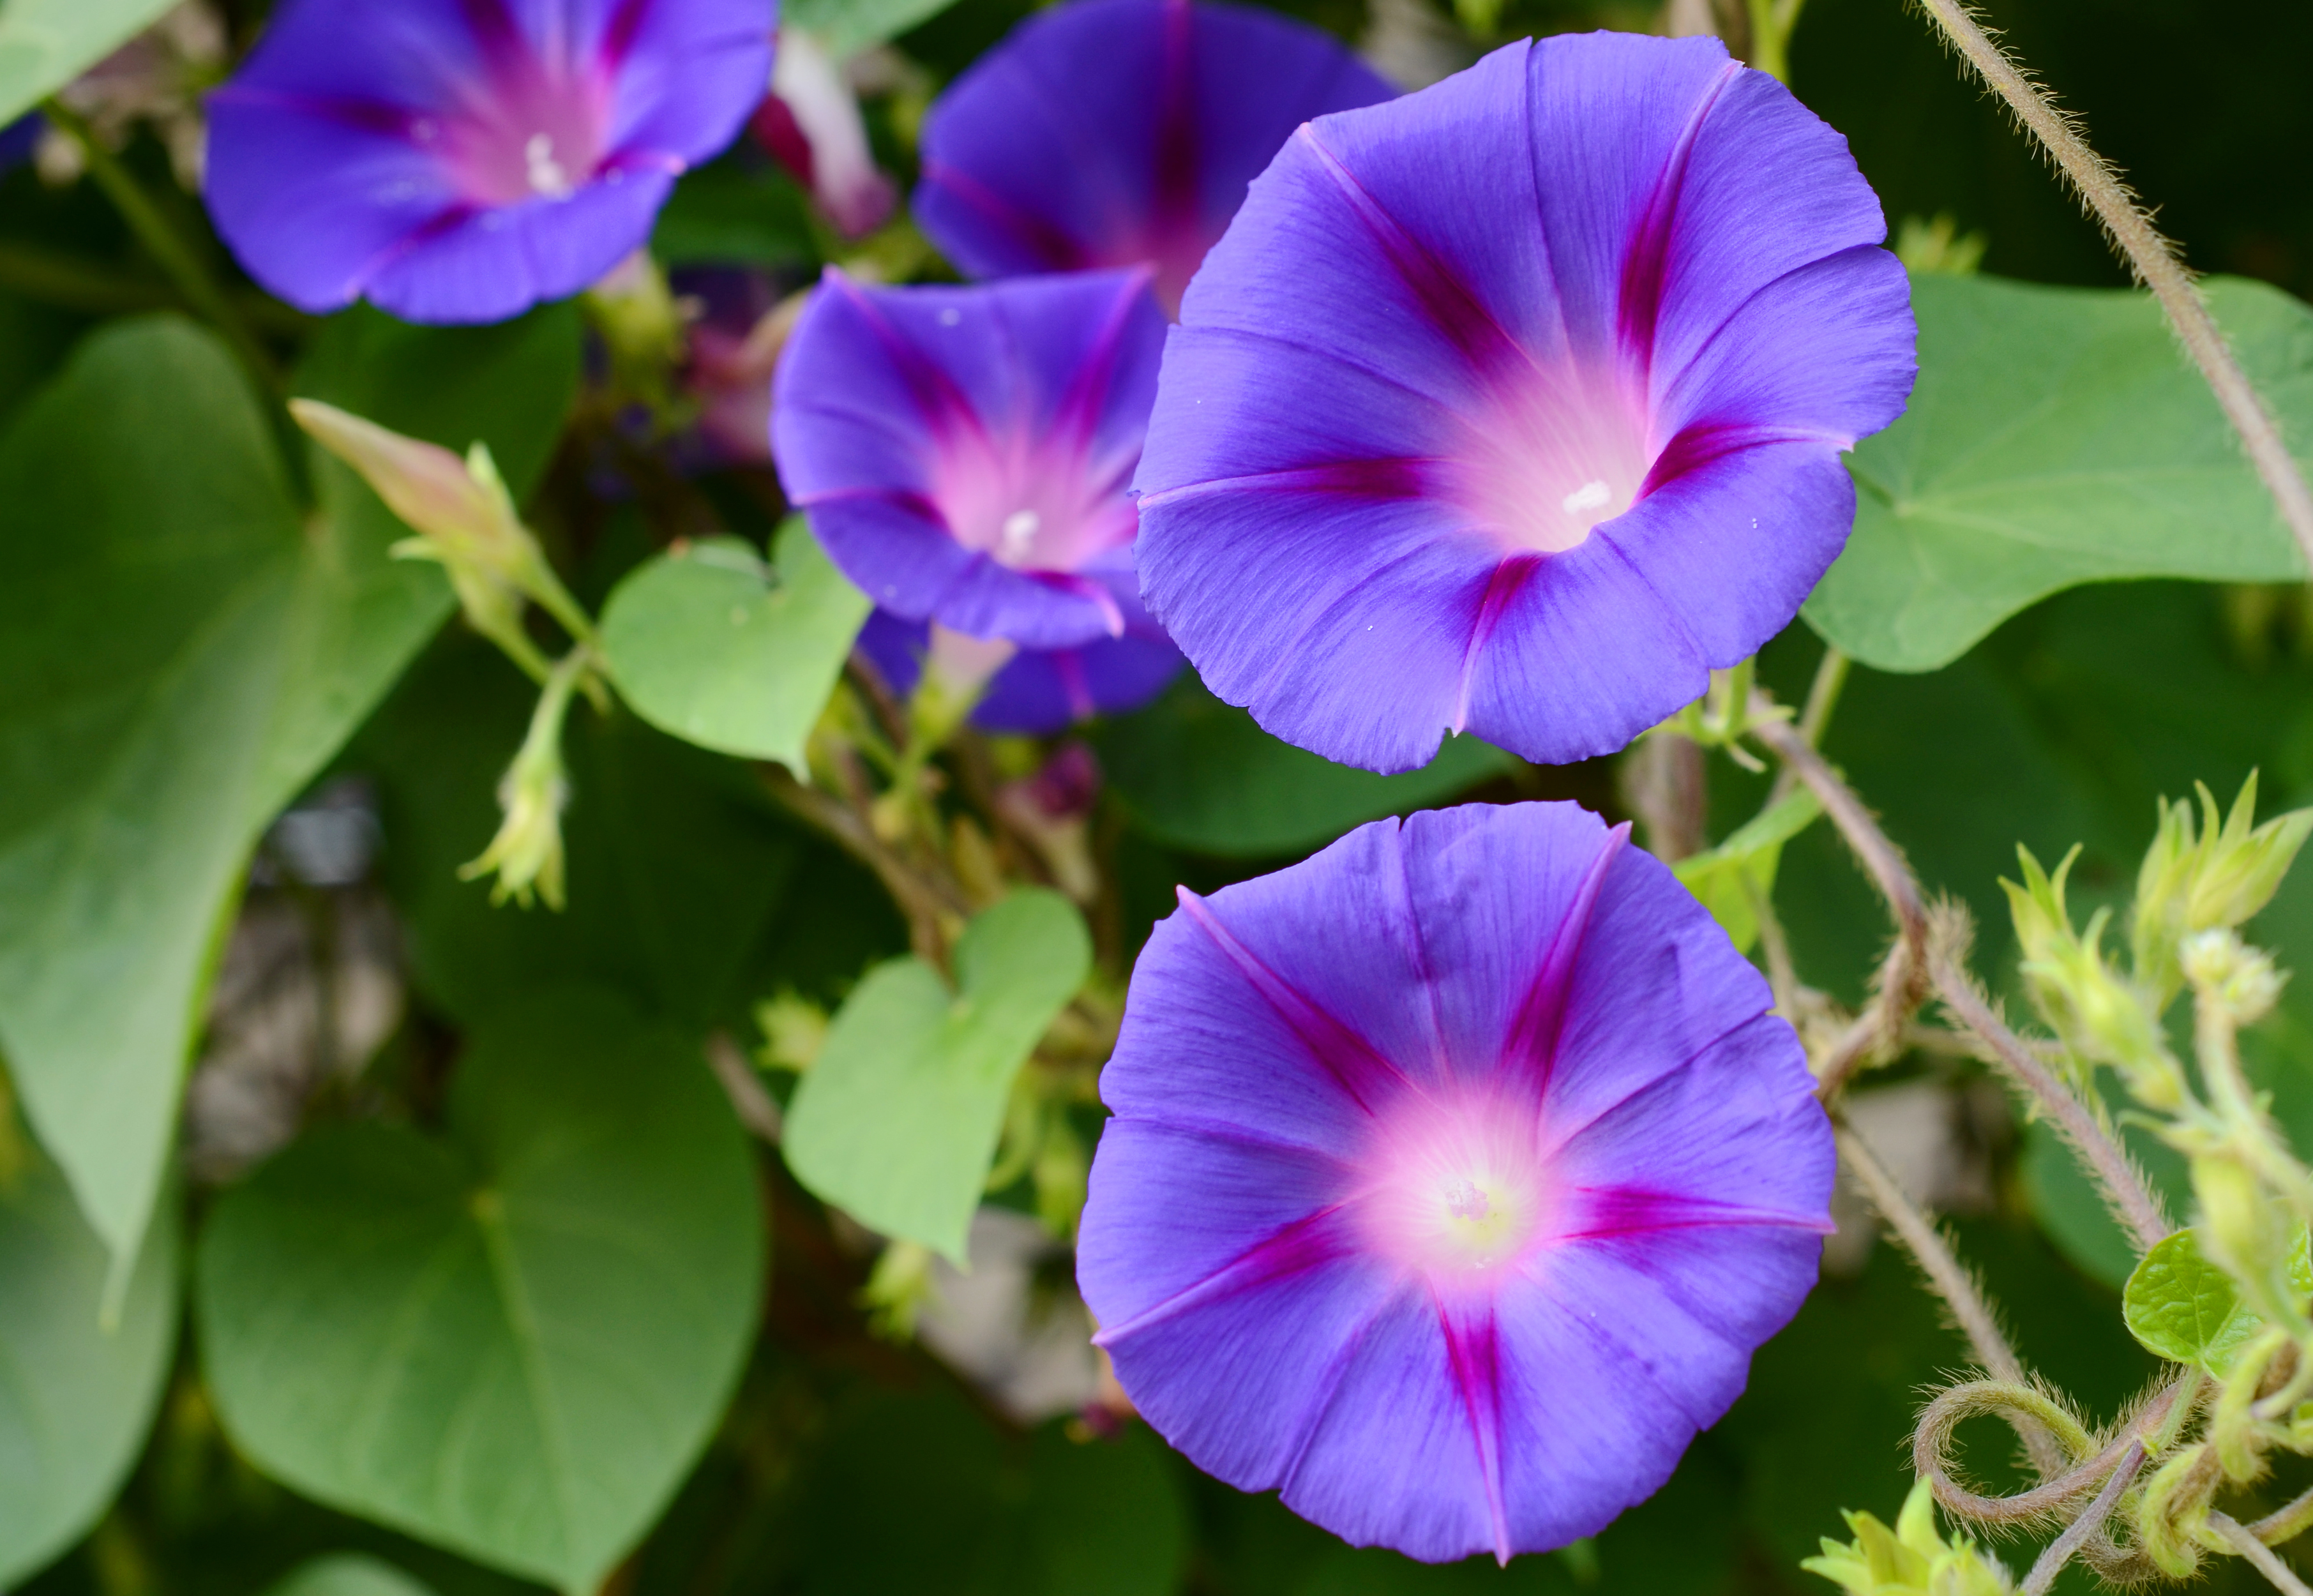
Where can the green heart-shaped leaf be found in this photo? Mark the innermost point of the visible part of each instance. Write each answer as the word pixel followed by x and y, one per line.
pixel 709 643
pixel 75 1397
pixel 896 1121
pixel 513 1341
pixel 2185 1309
pixel 2057 436
pixel 182 648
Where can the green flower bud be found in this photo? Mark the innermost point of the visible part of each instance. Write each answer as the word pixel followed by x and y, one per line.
pixel 794 1031
pixel 1910 1560
pixel 2100 1015
pixel 526 854
pixel 2238 1230
pixel 465 519
pixel 2225 970
pixel 899 1289
pixel 2212 880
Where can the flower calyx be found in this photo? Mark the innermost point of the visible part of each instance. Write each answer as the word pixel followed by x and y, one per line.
pixel 465 521
pixel 526 855
pixel 2211 877
pixel 1912 1560
pixel 2100 1015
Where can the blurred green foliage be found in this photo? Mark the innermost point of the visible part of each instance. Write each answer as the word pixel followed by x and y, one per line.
pixel 845 1463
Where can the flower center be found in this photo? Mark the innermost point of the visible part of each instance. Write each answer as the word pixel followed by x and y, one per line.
pixel 1459 1191
pixel 1549 459
pixel 1028 505
pixel 535 136
pixel 546 174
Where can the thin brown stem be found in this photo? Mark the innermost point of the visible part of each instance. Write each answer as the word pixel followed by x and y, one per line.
pixel 1878 1032
pixel 1950 1281
pixel 2132 1203
pixel 2076 1534
pixel 2258 1556
pixel 1666 781
pixel 1814 719
pixel 1881 859
pixel 1917 960
pixel 930 903
pixel 2150 256
pixel 1945 1275
pixel 1782 972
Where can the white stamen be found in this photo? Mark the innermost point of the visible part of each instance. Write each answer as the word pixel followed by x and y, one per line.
pixel 1590 495
pixel 1019 532
pixel 950 317
pixel 546 174
pixel 1463 1200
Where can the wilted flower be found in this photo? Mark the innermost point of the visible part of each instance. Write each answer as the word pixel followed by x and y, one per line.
pixel 811 122
pixel 1053 809
pixel 460 160
pixel 962 452
pixel 1110 132
pixel 1455 1175
pixel 1913 1560
pixel 1516 406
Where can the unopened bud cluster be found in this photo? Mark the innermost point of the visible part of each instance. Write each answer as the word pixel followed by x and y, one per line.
pixel 2196 884
pixel 466 522
pixel 1912 1560
pixel 2100 1014
pixel 2223 969
pixel 2203 877
pixel 2215 881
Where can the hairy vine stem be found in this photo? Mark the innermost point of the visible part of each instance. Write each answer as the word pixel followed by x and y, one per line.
pixel 2077 1533
pixel 2258 1556
pixel 1946 1275
pixel 2016 1404
pixel 2150 256
pixel 2286 1522
pixel 1919 959
pixel 1879 1030
pixel 928 900
pixel 2132 1200
pixel 1951 1280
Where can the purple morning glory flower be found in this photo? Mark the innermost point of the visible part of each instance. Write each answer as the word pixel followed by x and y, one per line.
pixel 1516 406
pixel 963 454
pixel 1107 132
pixel 1040 691
pixel 461 160
pixel 1456 1171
